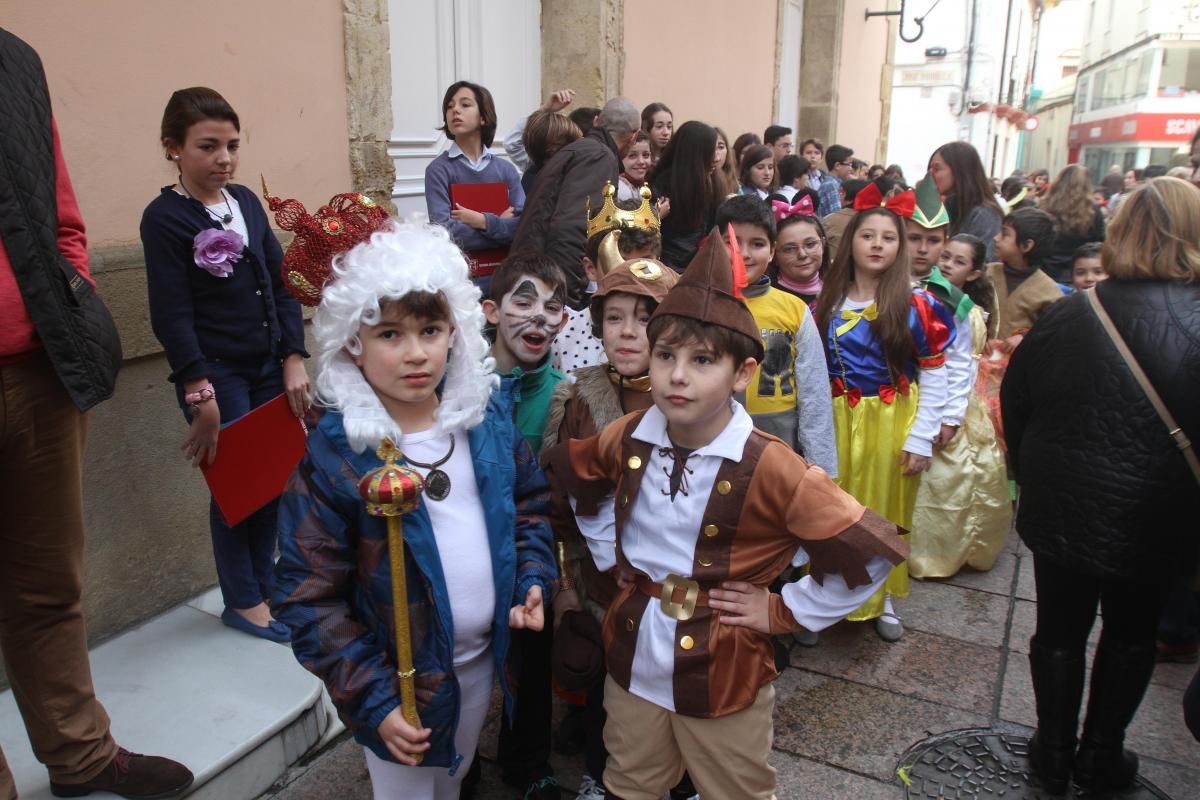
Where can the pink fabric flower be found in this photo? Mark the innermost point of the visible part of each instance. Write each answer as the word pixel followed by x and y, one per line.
pixel 216 251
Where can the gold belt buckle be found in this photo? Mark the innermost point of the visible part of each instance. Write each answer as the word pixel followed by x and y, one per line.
pixel 681 611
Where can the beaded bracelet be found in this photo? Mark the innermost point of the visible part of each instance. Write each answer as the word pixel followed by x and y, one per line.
pixel 205 394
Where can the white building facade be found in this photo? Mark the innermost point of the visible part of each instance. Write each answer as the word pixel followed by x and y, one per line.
pixel 1137 100
pixel 966 78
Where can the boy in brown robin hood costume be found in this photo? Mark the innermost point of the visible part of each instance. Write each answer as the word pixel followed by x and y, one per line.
pixel 708 512
pixel 627 294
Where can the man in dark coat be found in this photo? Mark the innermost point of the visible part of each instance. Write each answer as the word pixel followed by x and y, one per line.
pixel 49 377
pixel 554 221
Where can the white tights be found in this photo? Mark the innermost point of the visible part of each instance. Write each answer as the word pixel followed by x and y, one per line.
pixel 392 781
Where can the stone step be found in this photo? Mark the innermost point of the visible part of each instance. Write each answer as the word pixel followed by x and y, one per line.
pixel 237 710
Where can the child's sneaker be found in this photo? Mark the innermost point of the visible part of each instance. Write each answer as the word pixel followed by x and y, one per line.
pixel 590 789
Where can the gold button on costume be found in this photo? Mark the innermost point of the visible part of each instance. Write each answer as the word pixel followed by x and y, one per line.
pixel 629 624
pixel 711 530
pixel 687 643
pixel 634 462
pixel 704 562
pixel 724 487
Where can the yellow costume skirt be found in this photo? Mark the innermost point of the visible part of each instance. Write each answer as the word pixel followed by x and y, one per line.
pixel 963 513
pixel 870 437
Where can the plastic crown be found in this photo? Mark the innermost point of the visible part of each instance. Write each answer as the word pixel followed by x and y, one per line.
pixel 610 217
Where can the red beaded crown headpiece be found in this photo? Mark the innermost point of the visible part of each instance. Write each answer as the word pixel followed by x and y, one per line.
pixel 335 227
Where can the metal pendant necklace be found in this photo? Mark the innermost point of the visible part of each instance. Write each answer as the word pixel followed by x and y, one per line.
pixel 437 482
pixel 225 218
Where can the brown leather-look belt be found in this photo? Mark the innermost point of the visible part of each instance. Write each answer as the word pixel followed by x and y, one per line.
pixel 678 596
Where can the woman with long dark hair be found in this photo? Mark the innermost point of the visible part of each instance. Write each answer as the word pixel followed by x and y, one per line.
pixel 757 172
pixel 1108 502
pixel 969 195
pixel 686 176
pixel 727 172
pixel 659 124
pixel 1077 219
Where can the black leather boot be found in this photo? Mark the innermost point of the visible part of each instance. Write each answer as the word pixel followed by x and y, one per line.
pixel 1058 691
pixel 1120 675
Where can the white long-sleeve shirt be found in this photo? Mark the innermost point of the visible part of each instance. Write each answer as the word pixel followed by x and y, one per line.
pixel 659 539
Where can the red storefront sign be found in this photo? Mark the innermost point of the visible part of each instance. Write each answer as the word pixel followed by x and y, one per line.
pixel 1136 128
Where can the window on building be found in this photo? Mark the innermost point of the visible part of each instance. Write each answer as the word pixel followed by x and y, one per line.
pixel 1081 92
pixel 1180 71
pixel 1099 98
pixel 1129 87
pixel 1145 64
pixel 1165 155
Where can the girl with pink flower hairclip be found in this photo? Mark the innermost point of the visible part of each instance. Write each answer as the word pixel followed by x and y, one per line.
pixel 233 335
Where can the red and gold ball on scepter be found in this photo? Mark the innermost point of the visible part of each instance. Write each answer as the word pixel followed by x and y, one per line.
pixel 393 489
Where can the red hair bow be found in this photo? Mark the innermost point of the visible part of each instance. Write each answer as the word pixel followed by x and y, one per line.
pixel 903 204
pixel 802 208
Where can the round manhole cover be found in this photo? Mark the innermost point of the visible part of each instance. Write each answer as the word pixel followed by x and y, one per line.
pixel 988 763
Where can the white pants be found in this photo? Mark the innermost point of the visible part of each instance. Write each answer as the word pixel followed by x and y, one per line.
pixel 392 781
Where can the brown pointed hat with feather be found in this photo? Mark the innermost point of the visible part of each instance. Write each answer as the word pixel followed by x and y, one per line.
pixel 710 290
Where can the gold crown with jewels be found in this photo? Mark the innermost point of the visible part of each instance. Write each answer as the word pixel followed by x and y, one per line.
pixel 610 217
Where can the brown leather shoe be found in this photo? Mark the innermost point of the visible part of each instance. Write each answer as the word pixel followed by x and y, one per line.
pixel 134 776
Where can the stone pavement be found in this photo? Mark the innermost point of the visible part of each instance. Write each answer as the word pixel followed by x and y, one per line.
pixel 850 708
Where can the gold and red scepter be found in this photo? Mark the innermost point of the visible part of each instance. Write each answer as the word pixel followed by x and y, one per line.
pixel 390 492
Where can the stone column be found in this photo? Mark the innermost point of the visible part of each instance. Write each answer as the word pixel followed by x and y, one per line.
pixel 820 54
pixel 582 48
pixel 369 98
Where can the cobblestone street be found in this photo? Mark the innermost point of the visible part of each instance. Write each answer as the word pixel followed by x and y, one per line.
pixel 850 708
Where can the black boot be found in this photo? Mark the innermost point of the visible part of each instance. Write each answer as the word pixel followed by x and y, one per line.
pixel 1120 675
pixel 1058 691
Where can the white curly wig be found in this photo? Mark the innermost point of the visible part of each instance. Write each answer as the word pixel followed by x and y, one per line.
pixel 396 260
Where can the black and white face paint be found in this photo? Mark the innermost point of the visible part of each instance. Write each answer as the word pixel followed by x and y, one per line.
pixel 530 317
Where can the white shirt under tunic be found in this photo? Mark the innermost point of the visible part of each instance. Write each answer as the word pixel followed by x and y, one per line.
pixel 660 539
pixel 460 530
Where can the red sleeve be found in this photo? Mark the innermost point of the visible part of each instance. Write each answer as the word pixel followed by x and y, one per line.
pixel 933 328
pixel 72 236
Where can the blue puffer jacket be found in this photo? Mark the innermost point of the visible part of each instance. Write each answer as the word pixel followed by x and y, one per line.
pixel 333 582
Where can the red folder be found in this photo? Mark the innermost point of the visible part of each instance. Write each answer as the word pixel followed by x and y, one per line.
pixel 489 198
pixel 255 456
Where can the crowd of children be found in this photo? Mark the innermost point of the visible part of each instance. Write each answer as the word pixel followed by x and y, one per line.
pixel 750 429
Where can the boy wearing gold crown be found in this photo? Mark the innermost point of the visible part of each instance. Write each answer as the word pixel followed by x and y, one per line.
pixel 708 512
pixel 403 374
pixel 638 225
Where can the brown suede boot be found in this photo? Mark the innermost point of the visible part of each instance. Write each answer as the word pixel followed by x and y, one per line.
pixel 134 776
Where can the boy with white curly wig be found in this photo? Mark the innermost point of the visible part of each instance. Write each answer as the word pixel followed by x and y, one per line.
pixel 401 355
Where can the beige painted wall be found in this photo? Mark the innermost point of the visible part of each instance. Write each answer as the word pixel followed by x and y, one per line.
pixel 711 60
pixel 864 51
pixel 112 66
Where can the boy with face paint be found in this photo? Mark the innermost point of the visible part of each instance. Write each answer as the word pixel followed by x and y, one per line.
pixel 528 308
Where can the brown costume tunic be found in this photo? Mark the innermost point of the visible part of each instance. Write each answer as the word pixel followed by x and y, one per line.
pixel 577 411
pixel 1018 311
pixel 759 510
